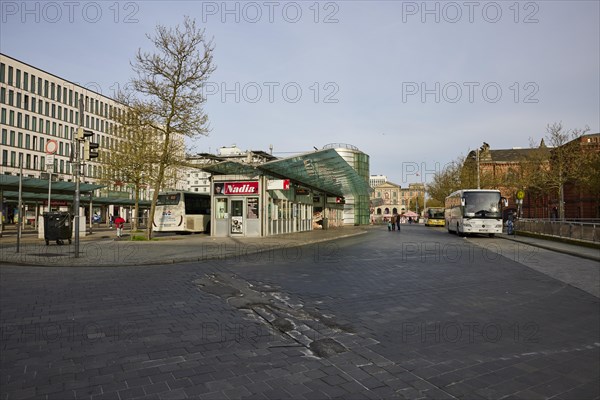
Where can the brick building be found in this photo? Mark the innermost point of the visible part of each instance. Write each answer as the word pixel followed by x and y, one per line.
pixel 507 170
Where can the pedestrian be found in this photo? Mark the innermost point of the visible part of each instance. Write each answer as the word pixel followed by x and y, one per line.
pixel 393 221
pixel 111 220
pixel 510 224
pixel 119 222
pixel 398 221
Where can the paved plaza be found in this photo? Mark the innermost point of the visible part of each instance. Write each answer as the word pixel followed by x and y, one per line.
pixel 375 314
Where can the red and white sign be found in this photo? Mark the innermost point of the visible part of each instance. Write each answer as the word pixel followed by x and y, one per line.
pixel 278 184
pixel 241 187
pixel 51 146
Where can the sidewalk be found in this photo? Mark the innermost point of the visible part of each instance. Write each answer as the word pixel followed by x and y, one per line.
pixel 102 248
pixel 553 245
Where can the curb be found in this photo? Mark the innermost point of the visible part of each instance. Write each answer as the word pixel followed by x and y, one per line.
pixel 174 261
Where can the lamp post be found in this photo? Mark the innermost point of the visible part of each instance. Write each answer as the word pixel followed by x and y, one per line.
pixel 478 179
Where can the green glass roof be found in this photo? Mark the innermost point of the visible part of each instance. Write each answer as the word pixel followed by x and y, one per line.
pixel 84 198
pixel 323 170
pixel 231 168
pixel 35 185
pixel 34 189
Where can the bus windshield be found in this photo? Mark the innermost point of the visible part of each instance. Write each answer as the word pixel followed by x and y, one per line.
pixel 168 199
pixel 482 204
pixel 435 213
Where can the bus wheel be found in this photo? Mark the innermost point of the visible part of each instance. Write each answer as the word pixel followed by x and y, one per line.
pixel 491 235
pixel 448 227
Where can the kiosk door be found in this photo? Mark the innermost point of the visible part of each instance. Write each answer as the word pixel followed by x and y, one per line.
pixel 237 217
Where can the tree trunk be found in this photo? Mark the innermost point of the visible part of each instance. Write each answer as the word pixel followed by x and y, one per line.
pixel 159 180
pixel 137 208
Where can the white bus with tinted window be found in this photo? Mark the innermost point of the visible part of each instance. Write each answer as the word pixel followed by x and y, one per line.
pixel 182 212
pixel 474 211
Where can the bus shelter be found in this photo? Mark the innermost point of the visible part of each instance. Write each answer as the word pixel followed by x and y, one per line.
pixel 295 194
pixel 35 196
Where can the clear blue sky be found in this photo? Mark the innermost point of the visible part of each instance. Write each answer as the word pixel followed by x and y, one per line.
pixel 413 84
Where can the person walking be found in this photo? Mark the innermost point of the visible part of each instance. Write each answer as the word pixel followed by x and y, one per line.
pixel 398 221
pixel 119 222
pixel 111 220
pixel 393 221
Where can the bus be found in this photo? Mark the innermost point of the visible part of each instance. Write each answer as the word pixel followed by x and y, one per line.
pixel 474 211
pixel 182 212
pixel 435 216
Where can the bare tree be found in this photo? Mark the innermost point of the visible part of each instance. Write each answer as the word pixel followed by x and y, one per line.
pixel 170 83
pixel 134 155
pixel 566 161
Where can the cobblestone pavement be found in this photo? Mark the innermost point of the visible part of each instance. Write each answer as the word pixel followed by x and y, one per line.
pixel 415 314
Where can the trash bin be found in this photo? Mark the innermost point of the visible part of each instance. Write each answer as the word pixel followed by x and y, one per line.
pixel 57 226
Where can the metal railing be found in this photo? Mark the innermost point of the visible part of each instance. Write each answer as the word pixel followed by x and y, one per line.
pixel 576 229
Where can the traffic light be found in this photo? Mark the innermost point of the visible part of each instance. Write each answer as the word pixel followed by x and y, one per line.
pixel 83 133
pixel 89 150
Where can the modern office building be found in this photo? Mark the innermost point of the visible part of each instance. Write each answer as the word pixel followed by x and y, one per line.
pixel 39 114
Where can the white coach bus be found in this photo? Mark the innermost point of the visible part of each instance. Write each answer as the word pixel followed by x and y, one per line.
pixel 474 211
pixel 182 212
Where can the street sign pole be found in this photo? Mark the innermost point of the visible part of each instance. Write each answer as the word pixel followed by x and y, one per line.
pixel 77 174
pixel 20 206
pixel 49 188
pixel 49 169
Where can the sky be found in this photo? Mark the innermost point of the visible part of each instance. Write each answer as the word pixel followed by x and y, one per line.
pixel 413 84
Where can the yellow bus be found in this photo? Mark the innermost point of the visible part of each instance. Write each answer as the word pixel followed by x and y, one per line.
pixel 434 216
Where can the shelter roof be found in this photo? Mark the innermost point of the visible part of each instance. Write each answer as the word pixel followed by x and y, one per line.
pixel 324 170
pixel 35 185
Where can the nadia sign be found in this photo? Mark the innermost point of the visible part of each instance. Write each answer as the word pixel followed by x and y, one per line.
pixel 241 187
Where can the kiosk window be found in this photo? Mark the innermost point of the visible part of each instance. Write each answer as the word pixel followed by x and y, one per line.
pixel 252 207
pixel 221 208
pixel 236 208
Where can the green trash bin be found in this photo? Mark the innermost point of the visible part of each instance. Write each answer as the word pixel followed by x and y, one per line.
pixel 57 227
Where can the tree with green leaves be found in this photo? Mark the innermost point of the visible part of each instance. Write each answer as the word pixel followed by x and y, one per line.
pixel 169 93
pixel 446 181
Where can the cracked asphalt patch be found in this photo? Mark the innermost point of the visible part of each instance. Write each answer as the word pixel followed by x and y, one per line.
pixel 308 328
